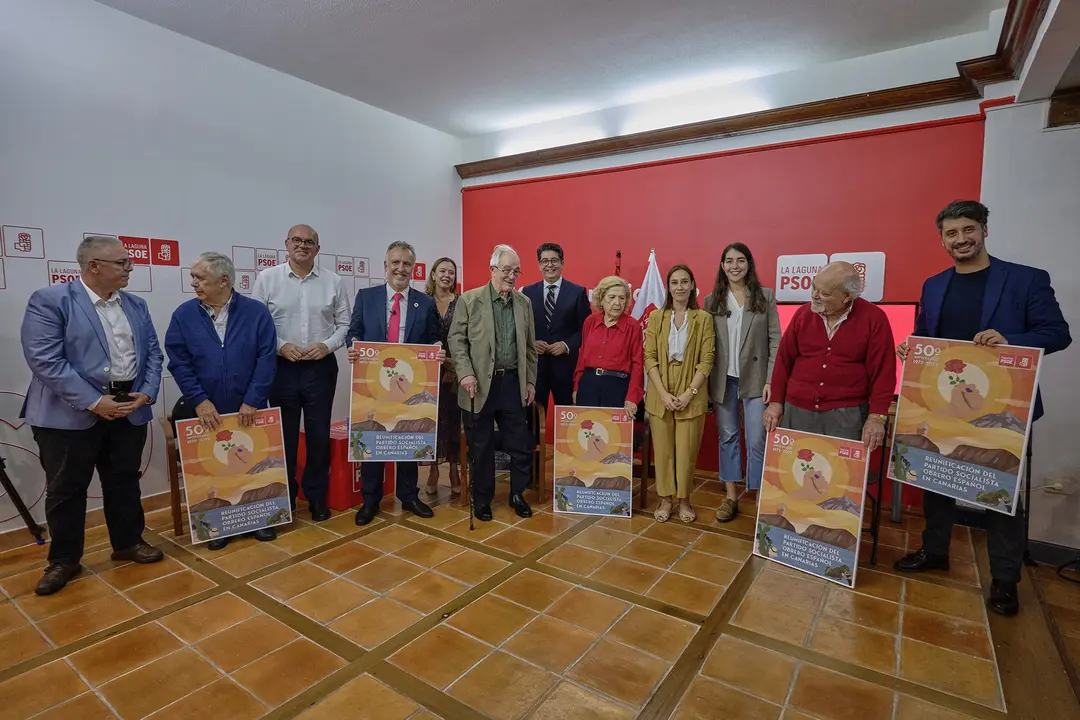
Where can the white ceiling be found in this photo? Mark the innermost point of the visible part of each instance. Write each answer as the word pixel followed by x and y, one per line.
pixel 475 66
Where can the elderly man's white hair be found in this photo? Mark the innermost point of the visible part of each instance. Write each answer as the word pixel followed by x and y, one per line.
pixel 849 280
pixel 499 251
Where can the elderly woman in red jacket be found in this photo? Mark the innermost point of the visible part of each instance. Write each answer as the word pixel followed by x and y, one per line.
pixel 610 371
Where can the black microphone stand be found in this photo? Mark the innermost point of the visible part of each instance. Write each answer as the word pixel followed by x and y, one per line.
pixel 36 530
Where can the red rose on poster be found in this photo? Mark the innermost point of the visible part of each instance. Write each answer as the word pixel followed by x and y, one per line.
pixel 224 436
pixel 390 362
pixel 955 366
pixel 806 455
pixel 587 425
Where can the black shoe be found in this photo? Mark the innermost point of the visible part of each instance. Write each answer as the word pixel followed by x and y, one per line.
pixel 141 552
pixel 418 508
pixel 56 577
pixel 218 544
pixel 520 506
pixel 1004 600
pixel 921 561
pixel 265 534
pixel 483 513
pixel 319 512
pixel 366 514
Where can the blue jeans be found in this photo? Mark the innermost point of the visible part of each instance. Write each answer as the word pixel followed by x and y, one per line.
pixel 727 420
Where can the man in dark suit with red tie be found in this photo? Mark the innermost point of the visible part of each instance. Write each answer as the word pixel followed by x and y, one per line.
pixel 394 313
pixel 560 309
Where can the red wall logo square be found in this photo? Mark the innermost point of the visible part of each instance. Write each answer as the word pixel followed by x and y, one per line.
pixel 138 248
pixel 419 271
pixel 165 252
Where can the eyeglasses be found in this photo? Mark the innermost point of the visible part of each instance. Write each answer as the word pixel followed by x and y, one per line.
pixel 303 242
pixel 509 271
pixel 550 262
pixel 125 263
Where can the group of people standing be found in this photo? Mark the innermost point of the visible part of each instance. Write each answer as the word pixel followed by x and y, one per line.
pixel 96 365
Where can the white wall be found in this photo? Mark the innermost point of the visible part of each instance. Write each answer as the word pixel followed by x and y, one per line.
pixel 112 125
pixel 1031 183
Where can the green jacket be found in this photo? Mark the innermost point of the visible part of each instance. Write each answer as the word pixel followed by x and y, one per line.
pixel 472 342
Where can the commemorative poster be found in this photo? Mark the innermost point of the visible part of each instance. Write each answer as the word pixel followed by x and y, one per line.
pixel 234 477
pixel 811 503
pixel 394 404
pixel 963 420
pixel 593 461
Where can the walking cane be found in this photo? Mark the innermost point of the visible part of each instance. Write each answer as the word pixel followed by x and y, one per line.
pixel 472 464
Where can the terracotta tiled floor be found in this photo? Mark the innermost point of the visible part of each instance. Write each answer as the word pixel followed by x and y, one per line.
pixel 551 618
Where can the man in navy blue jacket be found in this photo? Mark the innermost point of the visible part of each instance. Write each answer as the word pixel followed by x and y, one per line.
pixel 394 313
pixel 990 302
pixel 222 350
pixel 560 309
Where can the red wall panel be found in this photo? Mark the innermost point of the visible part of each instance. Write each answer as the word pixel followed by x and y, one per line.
pixel 872 191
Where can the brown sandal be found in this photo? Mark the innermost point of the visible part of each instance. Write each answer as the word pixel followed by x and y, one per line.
pixel 687 514
pixel 663 512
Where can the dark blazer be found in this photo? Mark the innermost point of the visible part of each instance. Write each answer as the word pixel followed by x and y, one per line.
pixel 571 310
pixel 1019 303
pixel 370 319
pixel 238 371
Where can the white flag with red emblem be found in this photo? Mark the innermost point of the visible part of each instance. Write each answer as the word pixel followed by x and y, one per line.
pixel 651 295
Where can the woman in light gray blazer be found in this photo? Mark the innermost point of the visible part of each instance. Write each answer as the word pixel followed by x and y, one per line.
pixel 747 336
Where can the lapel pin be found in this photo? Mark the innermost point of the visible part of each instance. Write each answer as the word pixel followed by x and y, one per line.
pixel 416 304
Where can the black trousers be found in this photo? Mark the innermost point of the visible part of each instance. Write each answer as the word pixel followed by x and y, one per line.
pixel 555 378
pixel 69 458
pixel 504 407
pixel 306 388
pixel 1005 538
pixel 371 478
pixel 602 390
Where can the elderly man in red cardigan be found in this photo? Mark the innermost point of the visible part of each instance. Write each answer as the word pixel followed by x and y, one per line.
pixel 835 373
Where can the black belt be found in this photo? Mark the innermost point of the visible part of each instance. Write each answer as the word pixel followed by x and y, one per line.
pixel 123 386
pixel 599 372
pixel 504 371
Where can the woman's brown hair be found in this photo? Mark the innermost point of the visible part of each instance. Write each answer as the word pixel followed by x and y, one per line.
pixel 429 286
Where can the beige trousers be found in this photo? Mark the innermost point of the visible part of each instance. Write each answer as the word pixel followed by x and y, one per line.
pixel 675 450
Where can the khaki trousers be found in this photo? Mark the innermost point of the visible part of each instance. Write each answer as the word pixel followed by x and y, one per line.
pixel 675 449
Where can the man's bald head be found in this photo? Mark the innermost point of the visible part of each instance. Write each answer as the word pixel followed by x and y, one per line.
pixel 303 231
pixel 835 288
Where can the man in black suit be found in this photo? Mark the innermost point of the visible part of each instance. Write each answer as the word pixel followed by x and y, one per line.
pixel 560 308
pixel 393 313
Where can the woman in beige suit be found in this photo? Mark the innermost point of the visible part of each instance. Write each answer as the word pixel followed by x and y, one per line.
pixel 747 336
pixel 679 347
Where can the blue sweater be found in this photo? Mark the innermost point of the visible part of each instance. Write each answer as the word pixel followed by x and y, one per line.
pixel 231 373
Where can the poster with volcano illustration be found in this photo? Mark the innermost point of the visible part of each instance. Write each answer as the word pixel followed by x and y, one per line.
pixel 593 461
pixel 394 406
pixel 234 477
pixel 811 503
pixel 963 419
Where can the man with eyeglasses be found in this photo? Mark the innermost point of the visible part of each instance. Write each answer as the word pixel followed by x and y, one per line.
pixel 96 366
pixel 560 309
pixel 310 307
pixel 493 345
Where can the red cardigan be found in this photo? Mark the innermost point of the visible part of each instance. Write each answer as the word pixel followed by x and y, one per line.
pixel 855 367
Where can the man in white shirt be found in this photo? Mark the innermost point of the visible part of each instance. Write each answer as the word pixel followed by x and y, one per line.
pixel 310 307
pixel 96 366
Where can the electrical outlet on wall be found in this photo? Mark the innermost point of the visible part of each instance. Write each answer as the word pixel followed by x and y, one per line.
pixel 1060 485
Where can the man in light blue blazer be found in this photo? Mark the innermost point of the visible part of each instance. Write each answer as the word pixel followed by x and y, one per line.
pixel 393 313
pixel 991 302
pixel 96 366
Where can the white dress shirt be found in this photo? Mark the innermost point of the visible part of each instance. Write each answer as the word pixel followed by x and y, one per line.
pixel 221 320
pixel 558 288
pixel 734 332
pixel 306 311
pixel 118 335
pixel 676 339
pixel 390 292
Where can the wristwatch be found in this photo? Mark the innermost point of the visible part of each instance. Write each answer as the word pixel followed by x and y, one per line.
pixel 879 416
pixel 693 390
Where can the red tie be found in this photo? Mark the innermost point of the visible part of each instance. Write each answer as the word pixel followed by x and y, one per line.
pixel 395 320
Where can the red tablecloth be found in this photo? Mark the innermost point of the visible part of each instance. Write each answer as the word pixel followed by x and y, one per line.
pixel 345 490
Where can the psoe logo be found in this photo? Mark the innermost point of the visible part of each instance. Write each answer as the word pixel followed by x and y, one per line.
pixel 63 272
pixel 24 242
pixel 795 275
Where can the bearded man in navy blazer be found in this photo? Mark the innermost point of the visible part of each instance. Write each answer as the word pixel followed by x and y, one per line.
pixel 96 366
pixel 991 302
pixel 560 309
pixel 394 313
